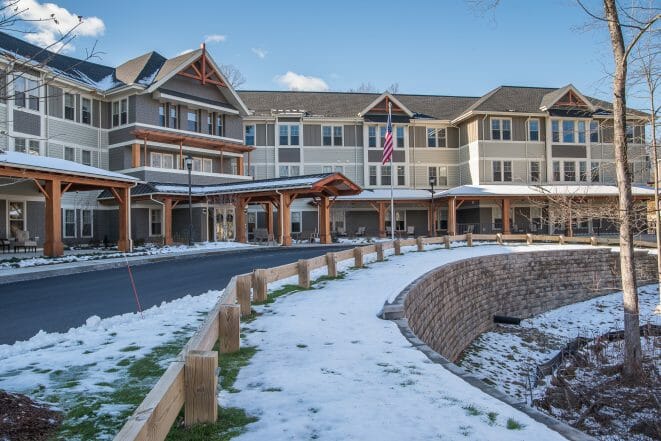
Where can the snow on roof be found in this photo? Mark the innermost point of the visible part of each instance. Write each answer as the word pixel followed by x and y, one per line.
pixel 526 190
pixel 384 194
pixel 267 184
pixel 34 162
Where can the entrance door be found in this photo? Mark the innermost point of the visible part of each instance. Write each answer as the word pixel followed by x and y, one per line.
pixel 224 220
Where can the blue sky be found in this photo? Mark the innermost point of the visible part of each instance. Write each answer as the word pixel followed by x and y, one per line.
pixel 429 47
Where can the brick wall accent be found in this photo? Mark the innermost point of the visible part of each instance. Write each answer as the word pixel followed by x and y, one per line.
pixel 452 305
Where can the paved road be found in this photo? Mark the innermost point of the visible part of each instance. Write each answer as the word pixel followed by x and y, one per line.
pixel 56 304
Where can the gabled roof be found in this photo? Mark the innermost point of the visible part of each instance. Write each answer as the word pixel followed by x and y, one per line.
pixel 577 190
pixel 382 97
pixel 553 97
pixel 141 70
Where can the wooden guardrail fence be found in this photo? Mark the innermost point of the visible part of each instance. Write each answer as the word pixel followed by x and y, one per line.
pixel 191 380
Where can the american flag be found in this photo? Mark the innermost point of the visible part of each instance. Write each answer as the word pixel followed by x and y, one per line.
pixel 387 145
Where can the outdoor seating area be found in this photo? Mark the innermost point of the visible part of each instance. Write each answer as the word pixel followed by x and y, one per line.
pixel 21 242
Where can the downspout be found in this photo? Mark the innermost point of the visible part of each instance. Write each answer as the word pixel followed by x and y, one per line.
pixel 527 129
pixel 484 135
pixel 415 167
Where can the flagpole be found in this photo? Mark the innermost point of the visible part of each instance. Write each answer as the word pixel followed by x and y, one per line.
pixel 392 185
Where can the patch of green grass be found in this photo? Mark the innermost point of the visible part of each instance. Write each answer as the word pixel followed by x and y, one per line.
pixel 285 290
pixel 231 423
pixel 130 348
pixel 230 364
pixel 340 276
pixel 41 371
pixel 124 362
pixel 513 424
pixel 492 418
pixel 472 410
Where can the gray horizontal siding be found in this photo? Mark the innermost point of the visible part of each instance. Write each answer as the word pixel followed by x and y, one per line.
pixel 28 123
pixel 61 130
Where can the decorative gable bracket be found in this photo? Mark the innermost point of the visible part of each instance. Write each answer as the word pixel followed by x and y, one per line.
pixel 203 71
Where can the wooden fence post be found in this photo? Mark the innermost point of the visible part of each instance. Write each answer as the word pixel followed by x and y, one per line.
pixel 201 384
pixel 358 257
pixel 529 239
pixel 243 287
pixel 331 263
pixel 561 239
pixel 446 239
pixel 593 241
pixel 229 328
pixel 499 238
pixel 260 285
pixel 304 273
pixel 398 247
pixel 469 239
pixel 379 252
pixel 420 244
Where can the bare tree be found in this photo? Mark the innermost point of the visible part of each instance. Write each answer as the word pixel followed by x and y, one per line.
pixel 364 88
pixel 393 88
pixel 233 75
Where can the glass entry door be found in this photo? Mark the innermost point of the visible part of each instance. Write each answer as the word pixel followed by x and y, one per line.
pixel 224 223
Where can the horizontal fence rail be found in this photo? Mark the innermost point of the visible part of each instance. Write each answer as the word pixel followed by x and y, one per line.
pixel 190 381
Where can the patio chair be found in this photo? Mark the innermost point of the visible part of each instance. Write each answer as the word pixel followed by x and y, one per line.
pixel 23 241
pixel 4 244
pixel 410 231
pixel 361 232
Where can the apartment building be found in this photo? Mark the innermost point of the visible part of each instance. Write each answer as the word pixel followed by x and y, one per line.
pixel 146 117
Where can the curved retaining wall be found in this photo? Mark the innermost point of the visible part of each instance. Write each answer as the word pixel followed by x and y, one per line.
pixel 452 305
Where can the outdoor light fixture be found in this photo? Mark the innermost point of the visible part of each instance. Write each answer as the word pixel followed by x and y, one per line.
pixel 189 165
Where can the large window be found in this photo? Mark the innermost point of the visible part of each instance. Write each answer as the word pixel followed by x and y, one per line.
pixel 331 135
pixel 373 175
pixel 155 221
pixel 555 130
pixel 29 146
pixel 16 214
pixel 204 165
pixel 69 106
pixel 497 171
pixel 432 175
pixel 594 172
pixel 583 171
pixel 568 131
pixel 173 119
pixel 533 130
pixel 556 171
pixel 69 153
pixel 581 131
pixel 371 136
pixel 386 175
pixel 401 175
pixel 26 93
pixel 86 111
pixel 436 137
pixel 162 111
pixel 594 131
pixel 399 137
pixel 442 176
pixel 120 112
pixel 289 170
pixel 86 157
pixel 569 168
pixel 161 160
pixel 192 121
pixel 296 224
pixel 250 135
pixel 289 134
pixel 69 223
pixel 501 129
pixel 219 125
pixel 86 222
pixel 535 171
pixel 502 171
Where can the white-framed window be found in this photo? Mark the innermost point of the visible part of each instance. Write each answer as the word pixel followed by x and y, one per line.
pixel 502 171
pixel 197 165
pixel 86 111
pixel 283 171
pixel 371 137
pixel 497 171
pixel 339 169
pixel 69 222
pixel 594 131
pixel 193 119
pixel 69 106
pixel 289 134
pixel 580 131
pixel 568 131
pixel 501 129
pixel 86 222
pixel 162 114
pixel 594 172
pixel 382 136
pixel 432 174
pixel 332 135
pixel 207 166
pixel 210 122
pixel 296 222
pixel 442 176
pixel 120 112
pixel 29 146
pixel 69 153
pixel 569 171
pixel 161 160
pixel 583 171
pixel 16 216
pixel 401 175
pixel 535 171
pixel 173 116
pixel 373 175
pixel 220 124
pixel 555 130
pixel 249 135
pixel 327 169
pixel 436 137
pixel 556 171
pixel 86 157
pixel 533 129
pixel 386 175
pixel 399 137
pixel 289 170
pixel 26 92
pixel 155 222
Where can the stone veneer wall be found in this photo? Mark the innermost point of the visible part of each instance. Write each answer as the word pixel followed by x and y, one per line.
pixel 452 305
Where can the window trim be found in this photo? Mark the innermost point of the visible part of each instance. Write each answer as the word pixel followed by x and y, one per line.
pixel 289 135
pixel 437 138
pixel 160 218
pixel 500 128
pixel 82 155
pixel 28 148
pixel 82 222
pixel 65 223
pixel 91 111
pixel 539 171
pixel 254 134
pixel 8 217
pixel 539 130
pixel 119 113
pixel 28 91
pixel 332 128
pixel 64 106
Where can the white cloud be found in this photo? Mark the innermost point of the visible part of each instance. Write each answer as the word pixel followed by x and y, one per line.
pixel 186 51
pixel 294 81
pixel 261 53
pixel 50 22
pixel 215 38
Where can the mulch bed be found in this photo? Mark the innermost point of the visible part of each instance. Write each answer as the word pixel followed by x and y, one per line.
pixel 22 419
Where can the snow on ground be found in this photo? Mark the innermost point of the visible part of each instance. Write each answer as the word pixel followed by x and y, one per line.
pixel 508 356
pixel 328 368
pixel 27 262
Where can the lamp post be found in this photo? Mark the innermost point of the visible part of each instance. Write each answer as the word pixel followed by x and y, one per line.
pixel 189 166
pixel 432 182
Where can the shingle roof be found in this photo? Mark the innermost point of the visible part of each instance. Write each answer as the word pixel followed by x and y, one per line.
pixel 349 104
pixel 142 69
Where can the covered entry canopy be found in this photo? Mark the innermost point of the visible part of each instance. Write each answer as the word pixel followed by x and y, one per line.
pixel 53 177
pixel 279 192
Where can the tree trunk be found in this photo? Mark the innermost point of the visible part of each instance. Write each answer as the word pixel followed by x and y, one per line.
pixel 632 350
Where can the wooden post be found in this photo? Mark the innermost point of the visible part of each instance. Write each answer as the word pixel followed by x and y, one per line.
pixel 398 247
pixel 331 264
pixel 201 384
pixel 506 216
pixel 240 221
pixel 167 214
pixel 324 220
pixel 260 285
pixel 124 242
pixel 53 246
pixel 304 273
pixel 499 238
pixel 452 216
pixel 382 220
pixel 239 165
pixel 269 219
pixel 285 217
pixel 358 257
pixel 469 239
pixel 561 239
pixel 379 252
pixel 446 240
pixel 420 244
pixel 243 288
pixel 135 156
pixel 529 239
pixel 593 241
pixel 229 328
